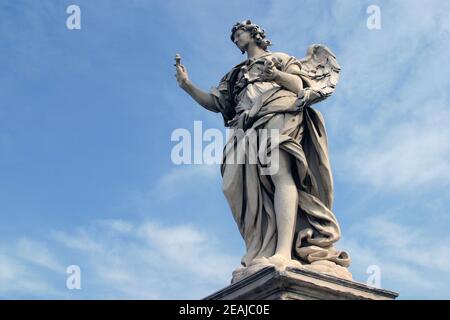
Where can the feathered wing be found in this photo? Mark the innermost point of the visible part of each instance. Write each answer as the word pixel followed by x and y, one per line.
pixel 320 70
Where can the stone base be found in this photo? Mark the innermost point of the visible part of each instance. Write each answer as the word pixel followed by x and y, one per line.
pixel 321 266
pixel 272 283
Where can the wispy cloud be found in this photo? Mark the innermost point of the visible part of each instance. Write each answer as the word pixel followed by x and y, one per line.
pixel 394 136
pixel 169 184
pixel 174 185
pixel 80 240
pixel 38 253
pixel 21 275
pixel 121 259
pixel 151 260
pixel 411 260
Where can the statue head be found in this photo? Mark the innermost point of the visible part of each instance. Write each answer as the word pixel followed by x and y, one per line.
pixel 245 32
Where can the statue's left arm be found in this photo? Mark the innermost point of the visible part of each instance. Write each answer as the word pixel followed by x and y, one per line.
pixel 286 75
pixel 289 81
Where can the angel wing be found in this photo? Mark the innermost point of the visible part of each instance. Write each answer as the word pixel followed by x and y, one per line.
pixel 320 70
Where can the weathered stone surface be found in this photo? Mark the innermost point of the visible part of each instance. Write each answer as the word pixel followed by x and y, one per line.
pixel 272 283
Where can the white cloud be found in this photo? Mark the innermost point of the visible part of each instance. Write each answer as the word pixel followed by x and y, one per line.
pixel 119 259
pixel 19 278
pixel 81 240
pixel 396 137
pixel 151 262
pixel 173 186
pixel 39 254
pixel 181 178
pixel 411 260
pixel 397 276
pixel 186 174
pixel 410 155
pixel 120 226
pixel 184 245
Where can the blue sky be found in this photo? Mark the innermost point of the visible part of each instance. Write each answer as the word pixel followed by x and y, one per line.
pixel 86 118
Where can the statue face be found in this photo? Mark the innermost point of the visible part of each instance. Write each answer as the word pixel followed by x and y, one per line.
pixel 242 39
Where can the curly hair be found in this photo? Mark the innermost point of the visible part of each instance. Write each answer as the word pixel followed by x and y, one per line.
pixel 256 32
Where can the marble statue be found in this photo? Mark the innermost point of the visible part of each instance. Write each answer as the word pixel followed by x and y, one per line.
pixel 285 218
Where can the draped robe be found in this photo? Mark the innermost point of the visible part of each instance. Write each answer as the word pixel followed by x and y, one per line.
pixel 248 103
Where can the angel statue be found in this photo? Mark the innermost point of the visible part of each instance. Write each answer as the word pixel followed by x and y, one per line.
pixel 285 217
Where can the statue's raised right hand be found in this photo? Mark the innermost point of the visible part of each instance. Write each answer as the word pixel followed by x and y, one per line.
pixel 182 74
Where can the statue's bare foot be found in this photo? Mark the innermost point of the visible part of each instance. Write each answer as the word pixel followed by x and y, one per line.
pixel 330 268
pixel 261 260
pixel 280 260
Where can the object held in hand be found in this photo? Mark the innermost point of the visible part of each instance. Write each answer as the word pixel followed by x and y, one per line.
pixel 177 60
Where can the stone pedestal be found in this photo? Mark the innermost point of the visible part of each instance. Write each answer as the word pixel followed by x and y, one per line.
pixel 271 283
